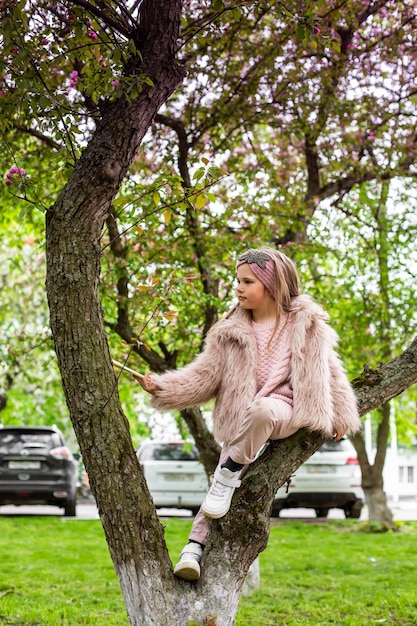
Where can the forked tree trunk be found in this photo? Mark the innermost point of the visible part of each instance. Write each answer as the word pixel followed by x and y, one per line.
pixel 153 596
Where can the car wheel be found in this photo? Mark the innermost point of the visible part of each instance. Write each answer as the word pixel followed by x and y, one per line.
pixel 354 511
pixel 322 512
pixel 275 511
pixel 70 509
pixel 195 510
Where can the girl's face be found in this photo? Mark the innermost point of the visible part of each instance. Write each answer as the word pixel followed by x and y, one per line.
pixel 251 292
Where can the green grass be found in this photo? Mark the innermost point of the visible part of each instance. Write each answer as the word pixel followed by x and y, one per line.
pixel 55 572
pixel 325 574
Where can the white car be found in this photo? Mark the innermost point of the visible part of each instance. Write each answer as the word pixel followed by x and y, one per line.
pixel 175 476
pixel 330 478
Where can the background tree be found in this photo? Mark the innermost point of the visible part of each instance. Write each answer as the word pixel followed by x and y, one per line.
pixel 122 62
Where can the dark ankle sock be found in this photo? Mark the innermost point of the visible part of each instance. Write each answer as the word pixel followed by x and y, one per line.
pixel 194 541
pixel 232 465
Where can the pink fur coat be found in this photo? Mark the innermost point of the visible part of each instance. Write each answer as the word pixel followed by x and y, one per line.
pixel 226 370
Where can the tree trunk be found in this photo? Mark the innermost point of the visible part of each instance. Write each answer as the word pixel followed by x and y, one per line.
pixel 378 509
pixel 373 486
pixel 372 475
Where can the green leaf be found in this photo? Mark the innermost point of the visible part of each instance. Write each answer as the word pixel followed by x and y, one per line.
pixel 301 32
pixel 201 201
pixel 199 173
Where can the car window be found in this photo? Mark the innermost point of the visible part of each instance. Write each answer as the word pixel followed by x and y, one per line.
pixel 169 452
pixel 15 441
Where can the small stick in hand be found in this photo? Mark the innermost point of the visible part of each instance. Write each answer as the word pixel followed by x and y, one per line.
pixel 127 369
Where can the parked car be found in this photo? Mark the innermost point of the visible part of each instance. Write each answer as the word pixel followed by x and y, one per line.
pixel 175 476
pixel 331 478
pixel 37 467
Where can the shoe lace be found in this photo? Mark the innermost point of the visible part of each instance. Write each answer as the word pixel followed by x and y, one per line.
pixel 217 489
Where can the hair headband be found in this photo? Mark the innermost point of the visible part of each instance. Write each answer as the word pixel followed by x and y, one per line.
pixel 262 266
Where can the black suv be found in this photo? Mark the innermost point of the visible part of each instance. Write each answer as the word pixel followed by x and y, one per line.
pixel 36 467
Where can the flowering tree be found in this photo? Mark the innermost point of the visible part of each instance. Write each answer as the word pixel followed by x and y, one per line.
pixel 97 75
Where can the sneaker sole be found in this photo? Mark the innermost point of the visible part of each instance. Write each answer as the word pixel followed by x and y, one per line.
pixel 187 571
pixel 214 514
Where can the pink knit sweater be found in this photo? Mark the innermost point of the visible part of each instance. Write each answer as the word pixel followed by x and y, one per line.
pixel 276 356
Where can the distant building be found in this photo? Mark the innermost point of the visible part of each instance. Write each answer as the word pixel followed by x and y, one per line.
pixel 400 473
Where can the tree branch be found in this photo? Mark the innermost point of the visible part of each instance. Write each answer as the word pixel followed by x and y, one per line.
pixel 374 388
pixel 36 133
pixel 104 17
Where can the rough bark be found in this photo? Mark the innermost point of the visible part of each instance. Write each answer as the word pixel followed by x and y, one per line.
pixel 375 387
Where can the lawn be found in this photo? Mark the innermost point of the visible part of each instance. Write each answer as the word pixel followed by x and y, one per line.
pixel 55 571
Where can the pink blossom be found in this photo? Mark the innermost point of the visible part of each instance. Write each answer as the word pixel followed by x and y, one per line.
pixel 92 34
pixel 73 79
pixel 14 170
pixel 115 82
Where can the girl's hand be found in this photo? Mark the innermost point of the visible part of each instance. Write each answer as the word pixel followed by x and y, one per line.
pixel 338 435
pixel 148 383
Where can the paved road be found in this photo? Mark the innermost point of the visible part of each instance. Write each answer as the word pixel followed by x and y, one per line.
pixel 403 510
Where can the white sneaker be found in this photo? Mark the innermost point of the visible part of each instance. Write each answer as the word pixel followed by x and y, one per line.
pixel 188 567
pixel 219 496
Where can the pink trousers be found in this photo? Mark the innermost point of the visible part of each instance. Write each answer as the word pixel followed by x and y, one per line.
pixel 266 419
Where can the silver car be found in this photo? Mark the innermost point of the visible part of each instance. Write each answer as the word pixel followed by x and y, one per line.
pixel 330 478
pixel 175 476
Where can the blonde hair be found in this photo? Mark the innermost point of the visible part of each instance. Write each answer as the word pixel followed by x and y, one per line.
pixel 287 283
